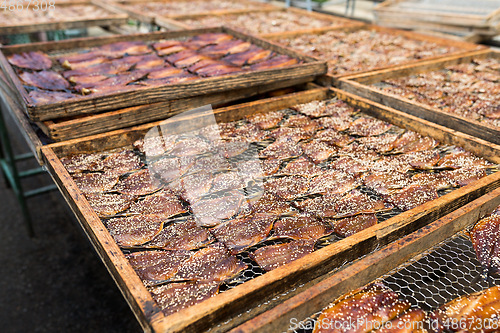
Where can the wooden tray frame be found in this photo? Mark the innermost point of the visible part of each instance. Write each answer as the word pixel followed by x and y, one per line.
pixel 150 18
pixel 359 85
pixel 114 101
pixel 384 10
pixel 308 270
pixel 333 80
pixel 176 24
pixel 118 18
pixel 77 127
pixel 371 267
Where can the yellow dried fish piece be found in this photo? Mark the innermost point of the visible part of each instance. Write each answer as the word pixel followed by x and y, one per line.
pixel 412 196
pixel 163 203
pixel 139 183
pixel 95 182
pixel 135 230
pixel 108 204
pixel 274 256
pixel 301 227
pixel 241 233
pixel 157 266
pixel 351 225
pixel 174 297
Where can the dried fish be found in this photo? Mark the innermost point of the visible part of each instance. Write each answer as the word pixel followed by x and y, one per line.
pixel 194 186
pixel 105 204
pixel 276 62
pixel 211 212
pixel 352 164
pixel 230 149
pixel 95 182
pixel 287 188
pixel 46 97
pixel 257 169
pixel 459 158
pixel 333 137
pixel 45 80
pixel 290 133
pixel 218 131
pixel 333 182
pixel 412 196
pixel 118 163
pixel 411 321
pixel 268 203
pixel 274 256
pixel 463 176
pixel 349 226
pixel 228 181
pixel 435 180
pixel 135 230
pixel 209 38
pixel 169 169
pixel 154 146
pixel 190 147
pixel 301 227
pixel 162 203
pixel 364 126
pixel 266 120
pixel 323 206
pixel 355 203
pixel 80 162
pixel 282 149
pixel 305 123
pixel 386 182
pixel 138 183
pixel 31 60
pixel 381 143
pixel 485 239
pixel 301 167
pixel 413 142
pixel 318 151
pixel 336 123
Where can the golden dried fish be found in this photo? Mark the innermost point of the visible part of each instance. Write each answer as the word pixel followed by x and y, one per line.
pixel 169 47
pixel 333 182
pixel 364 126
pixel 80 162
pixel 412 321
pixel 276 62
pixel 228 181
pixel 459 158
pixel 253 55
pixel 301 167
pixel 413 142
pixel 209 38
pixel 301 227
pixel 95 182
pixel 109 204
pixel 318 151
pixel 355 203
pixel 381 143
pixel 226 47
pixel 190 147
pixel 361 311
pixel 135 230
pixel 266 120
pixel 386 182
pixel 485 239
pixel 162 203
pixel 241 233
pixel 169 169
pixel 156 266
pixel 138 183
pixel 463 176
pixel 434 180
pixel 274 256
pixel 351 225
pixel 333 137
pixel 212 263
pixel 477 312
pixel 211 212
pixel 117 50
pixel 268 203
pixel 287 188
pixel 31 60
pixel 194 186
pixel 185 235
pixel 174 297
pixel 282 149
pixel 165 73
pixel 412 196
pixel 118 163
pixel 155 146
pixel 45 80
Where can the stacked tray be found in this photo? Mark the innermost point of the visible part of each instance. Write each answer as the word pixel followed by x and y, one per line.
pixel 428 270
pixel 255 285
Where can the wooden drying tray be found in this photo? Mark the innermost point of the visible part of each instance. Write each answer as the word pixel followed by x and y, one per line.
pixel 97 103
pixel 149 17
pixel 360 85
pixel 442 12
pixel 177 24
pixel 332 80
pixel 370 268
pixel 79 126
pixel 308 270
pixel 117 18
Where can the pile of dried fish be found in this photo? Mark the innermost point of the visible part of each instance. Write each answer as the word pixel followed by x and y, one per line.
pixel 469 90
pixel 354 51
pixel 127 66
pixel 193 210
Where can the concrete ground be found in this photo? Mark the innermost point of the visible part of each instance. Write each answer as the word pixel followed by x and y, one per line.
pixel 54 282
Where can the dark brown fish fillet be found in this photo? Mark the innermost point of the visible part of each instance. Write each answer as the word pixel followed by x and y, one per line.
pixel 46 97
pixel 323 206
pixel 192 146
pixel 212 212
pixel 352 164
pixel 266 120
pixel 109 204
pixel 118 163
pixel 95 182
pixel 112 84
pixel 174 297
pixel 107 68
pixel 241 233
pixel 31 60
pixel 333 137
pixel 355 203
pixel 139 183
pixel 386 182
pixel 464 176
pixel 351 225
pixel 318 151
pixel 276 62
pixel 80 162
pixel 368 127
pixel 252 56
pixel 154 146
pixel 229 149
pixel 485 237
pixel 281 150
pixel 423 160
pixel 185 235
pixel 301 167
pixel 336 123
pixel 214 163
pixel 257 169
pixel 163 204
pixel 170 169
pixel 156 266
pixel 268 203
pixel 301 227
pixel 249 133
pixel 412 321
pixel 87 80
pixel 202 40
pixel 45 80
pixel 460 158
pixel 333 182
pixel 228 181
pixel 192 187
pixel 135 230
pixel 469 310
pixel 382 143
pixel 412 196
pixel 117 50
pixel 372 305
pixel 418 143
pixel 289 187
pixel 212 263
pixel 405 162
pixel 305 123
pixel 289 133
pixel 226 47
pixel 434 180
pixel 274 256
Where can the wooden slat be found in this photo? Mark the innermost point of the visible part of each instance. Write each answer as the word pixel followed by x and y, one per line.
pixel 114 101
pixel 360 85
pixel 369 268
pixel 316 266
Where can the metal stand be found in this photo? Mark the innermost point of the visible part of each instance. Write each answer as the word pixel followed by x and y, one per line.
pixel 13 176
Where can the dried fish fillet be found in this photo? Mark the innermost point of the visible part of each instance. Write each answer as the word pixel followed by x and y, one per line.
pixel 109 204
pixel 270 204
pixel 305 123
pixel 209 38
pixel 31 60
pixel 192 187
pixel 45 80
pixel 213 163
pixel 46 97
pixel 485 239
pixel 287 188
pixel 355 203
pixel 95 182
pixel 364 126
pixel 337 123
pixel 228 181
pixel 185 235
pixel 241 233
pixel 463 176
pixel 169 169
pixel 156 266
pixel 266 120
pixel 323 206
pixel 412 321
pixel 211 212
pixel 190 147
pixel 256 169
pixel 460 158
pixel 274 256
pixel 249 133
pixel 155 146
pixel 352 164
pixel 351 225
pixel 301 167
pixel 415 143
pixel 276 62
pixel 138 183
pixel 281 150
pixel 434 180
pixel 174 297
pixel 290 133
pixel 319 151
pixel 386 182
pixel 412 196
pixel 212 263
pixel 301 227
pixel 118 163
pixel 162 203
pixel 230 149
pixel 80 162
pixel 381 143
pixel 333 137
pixel 333 182
pixel 135 230
pixel 218 131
